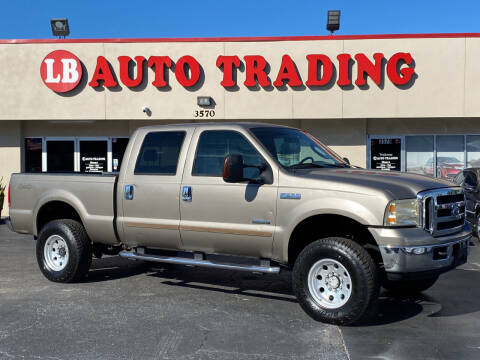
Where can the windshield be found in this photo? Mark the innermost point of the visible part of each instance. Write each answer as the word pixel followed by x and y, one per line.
pixel 293 148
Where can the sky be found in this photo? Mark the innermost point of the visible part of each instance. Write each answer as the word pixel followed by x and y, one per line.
pixel 21 19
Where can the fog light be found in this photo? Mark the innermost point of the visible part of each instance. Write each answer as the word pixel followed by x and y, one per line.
pixel 419 251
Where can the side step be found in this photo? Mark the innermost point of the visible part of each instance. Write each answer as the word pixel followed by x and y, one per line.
pixel 264 266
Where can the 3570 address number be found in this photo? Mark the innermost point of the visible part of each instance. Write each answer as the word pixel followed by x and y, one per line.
pixel 204 113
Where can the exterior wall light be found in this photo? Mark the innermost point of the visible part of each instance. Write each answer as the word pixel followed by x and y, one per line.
pixel 60 27
pixel 333 20
pixel 204 100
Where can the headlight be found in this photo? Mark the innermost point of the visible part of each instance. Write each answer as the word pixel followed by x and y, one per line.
pixel 402 213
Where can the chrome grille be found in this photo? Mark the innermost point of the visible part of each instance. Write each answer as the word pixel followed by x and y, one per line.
pixel 442 210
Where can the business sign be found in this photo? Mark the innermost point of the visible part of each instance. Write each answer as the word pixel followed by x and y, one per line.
pixel 61 71
pixel 385 154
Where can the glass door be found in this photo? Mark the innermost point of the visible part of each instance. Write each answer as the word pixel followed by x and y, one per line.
pixel 60 154
pixel 386 153
pixel 93 155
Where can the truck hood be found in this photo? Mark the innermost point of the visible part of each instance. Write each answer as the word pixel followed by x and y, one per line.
pixel 395 185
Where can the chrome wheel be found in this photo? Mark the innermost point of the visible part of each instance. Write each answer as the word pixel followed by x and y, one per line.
pixel 329 283
pixel 55 253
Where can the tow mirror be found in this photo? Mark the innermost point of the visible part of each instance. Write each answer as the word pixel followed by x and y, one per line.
pixel 233 168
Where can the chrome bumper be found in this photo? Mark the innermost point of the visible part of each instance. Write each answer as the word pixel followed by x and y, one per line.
pixel 437 258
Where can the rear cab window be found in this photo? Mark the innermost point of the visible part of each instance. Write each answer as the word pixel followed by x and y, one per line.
pixel 159 153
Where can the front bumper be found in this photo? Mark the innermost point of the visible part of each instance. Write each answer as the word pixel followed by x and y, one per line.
pixel 429 257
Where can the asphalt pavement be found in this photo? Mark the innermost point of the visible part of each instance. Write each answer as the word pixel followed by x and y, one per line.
pixel 129 310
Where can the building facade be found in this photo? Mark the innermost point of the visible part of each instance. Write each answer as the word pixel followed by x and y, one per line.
pixel 396 103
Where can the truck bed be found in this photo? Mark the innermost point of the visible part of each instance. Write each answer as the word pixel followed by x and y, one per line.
pixel 92 196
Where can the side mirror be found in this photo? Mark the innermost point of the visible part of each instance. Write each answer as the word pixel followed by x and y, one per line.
pixel 233 168
pixel 346 160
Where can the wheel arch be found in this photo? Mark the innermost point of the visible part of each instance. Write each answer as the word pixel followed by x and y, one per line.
pixel 55 207
pixel 324 225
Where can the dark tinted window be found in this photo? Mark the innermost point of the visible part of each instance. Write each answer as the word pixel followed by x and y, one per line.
pixel 214 145
pixel 33 155
pixel 159 153
pixel 119 145
pixel 471 179
pixel 60 155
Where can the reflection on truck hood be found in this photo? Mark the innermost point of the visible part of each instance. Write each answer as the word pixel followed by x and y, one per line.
pixel 396 184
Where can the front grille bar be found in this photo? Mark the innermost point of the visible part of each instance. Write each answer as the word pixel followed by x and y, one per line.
pixel 432 201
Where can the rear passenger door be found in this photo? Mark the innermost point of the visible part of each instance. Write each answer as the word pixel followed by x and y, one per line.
pixel 220 217
pixel 150 188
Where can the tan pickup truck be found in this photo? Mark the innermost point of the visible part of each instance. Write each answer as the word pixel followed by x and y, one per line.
pixel 269 197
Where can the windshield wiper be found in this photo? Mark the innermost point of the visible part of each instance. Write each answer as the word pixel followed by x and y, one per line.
pixel 305 166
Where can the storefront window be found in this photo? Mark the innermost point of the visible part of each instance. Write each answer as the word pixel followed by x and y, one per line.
pixel 450 156
pixel 386 153
pixel 473 151
pixel 419 154
pixel 88 155
pixel 60 155
pixel 93 156
pixel 33 155
pixel 119 145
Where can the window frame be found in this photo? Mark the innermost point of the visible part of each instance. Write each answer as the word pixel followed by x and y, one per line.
pixel 216 130
pixel 76 158
pixel 403 152
pixel 156 173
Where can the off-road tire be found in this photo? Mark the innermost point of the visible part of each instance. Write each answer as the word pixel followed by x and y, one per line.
pixel 409 287
pixel 363 273
pixel 79 248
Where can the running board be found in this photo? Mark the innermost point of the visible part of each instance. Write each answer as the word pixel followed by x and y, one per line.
pixel 264 267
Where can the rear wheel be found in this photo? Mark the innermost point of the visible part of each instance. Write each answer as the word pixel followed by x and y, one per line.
pixel 409 287
pixel 64 251
pixel 336 281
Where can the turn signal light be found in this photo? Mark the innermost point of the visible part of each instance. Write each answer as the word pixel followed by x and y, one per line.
pixel 9 198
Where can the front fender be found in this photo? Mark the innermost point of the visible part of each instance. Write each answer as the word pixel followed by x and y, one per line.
pixel 364 209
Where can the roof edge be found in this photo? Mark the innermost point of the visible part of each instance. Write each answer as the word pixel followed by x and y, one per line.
pixel 243 39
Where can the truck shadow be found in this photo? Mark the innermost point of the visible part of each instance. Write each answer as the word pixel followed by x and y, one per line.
pixel 451 296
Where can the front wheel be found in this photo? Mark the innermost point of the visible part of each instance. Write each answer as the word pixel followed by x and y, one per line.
pixel 336 281
pixel 409 287
pixel 64 251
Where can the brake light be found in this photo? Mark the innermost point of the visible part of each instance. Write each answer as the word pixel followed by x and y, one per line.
pixel 9 198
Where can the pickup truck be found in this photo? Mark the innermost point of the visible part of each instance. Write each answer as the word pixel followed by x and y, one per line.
pixel 250 197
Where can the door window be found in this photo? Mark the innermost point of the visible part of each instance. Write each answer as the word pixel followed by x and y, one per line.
pixel 214 145
pixel 159 153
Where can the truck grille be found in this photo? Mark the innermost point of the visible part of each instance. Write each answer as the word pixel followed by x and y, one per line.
pixel 442 210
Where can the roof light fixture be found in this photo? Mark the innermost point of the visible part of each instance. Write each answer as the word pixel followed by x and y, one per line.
pixel 333 20
pixel 60 27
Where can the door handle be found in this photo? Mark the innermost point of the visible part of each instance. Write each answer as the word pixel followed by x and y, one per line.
pixel 187 193
pixel 129 192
